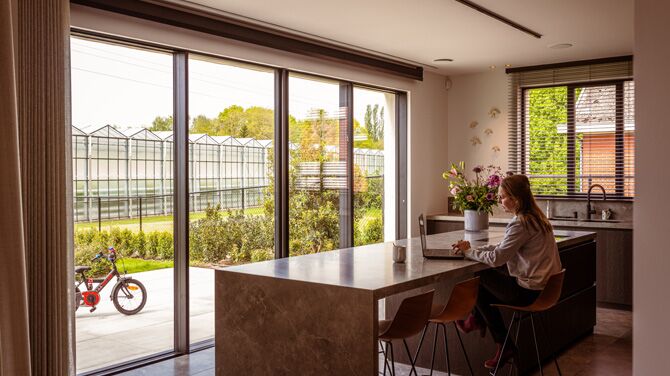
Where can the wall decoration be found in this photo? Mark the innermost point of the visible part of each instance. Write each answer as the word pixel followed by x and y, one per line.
pixel 475 140
pixel 495 148
pixel 473 124
pixel 494 112
pixel 488 131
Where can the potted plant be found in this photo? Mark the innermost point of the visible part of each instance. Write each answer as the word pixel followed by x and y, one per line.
pixel 476 197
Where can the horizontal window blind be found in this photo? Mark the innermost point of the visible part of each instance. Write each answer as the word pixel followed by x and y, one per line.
pixel 572 127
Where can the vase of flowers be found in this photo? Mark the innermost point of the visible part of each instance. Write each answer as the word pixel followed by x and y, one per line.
pixel 476 197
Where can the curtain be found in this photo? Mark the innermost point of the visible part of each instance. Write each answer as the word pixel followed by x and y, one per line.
pixel 14 334
pixel 36 268
pixel 44 139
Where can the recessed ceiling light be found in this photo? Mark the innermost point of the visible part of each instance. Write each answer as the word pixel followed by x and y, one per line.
pixel 560 46
pixel 443 60
pixel 508 65
pixel 492 67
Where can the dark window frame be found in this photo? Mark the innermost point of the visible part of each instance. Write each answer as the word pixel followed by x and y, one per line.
pixel 571 137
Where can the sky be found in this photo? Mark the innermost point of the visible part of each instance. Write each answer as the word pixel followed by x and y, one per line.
pixel 129 87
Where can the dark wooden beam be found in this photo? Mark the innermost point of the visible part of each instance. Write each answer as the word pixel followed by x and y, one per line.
pixel 255 34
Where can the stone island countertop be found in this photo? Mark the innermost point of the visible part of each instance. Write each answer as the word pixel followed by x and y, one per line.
pixel 371 267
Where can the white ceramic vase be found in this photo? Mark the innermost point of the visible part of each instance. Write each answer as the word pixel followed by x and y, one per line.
pixel 476 221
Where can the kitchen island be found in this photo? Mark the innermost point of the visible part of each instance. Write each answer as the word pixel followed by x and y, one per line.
pixel 317 314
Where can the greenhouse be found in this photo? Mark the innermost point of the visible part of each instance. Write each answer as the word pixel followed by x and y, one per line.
pixel 127 173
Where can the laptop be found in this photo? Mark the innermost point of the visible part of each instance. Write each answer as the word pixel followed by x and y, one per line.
pixel 430 253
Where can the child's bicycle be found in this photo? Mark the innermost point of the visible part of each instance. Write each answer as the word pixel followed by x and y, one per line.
pixel 128 294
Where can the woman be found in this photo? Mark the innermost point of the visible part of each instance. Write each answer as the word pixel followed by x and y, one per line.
pixel 530 252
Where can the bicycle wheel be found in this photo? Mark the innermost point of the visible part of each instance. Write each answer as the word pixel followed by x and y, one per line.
pixel 129 296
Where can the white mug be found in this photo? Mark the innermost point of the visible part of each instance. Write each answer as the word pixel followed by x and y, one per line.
pixel 399 253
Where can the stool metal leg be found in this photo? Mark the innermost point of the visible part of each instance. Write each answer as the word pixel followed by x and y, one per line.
pixel 432 358
pixel 409 355
pixel 537 350
pixel 386 364
pixel 516 340
pixel 418 349
pixel 392 360
pixel 446 349
pixel 463 347
pixel 502 351
pixel 546 335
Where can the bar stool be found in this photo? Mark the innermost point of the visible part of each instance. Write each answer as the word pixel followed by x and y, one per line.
pixel 461 303
pixel 547 299
pixel 411 317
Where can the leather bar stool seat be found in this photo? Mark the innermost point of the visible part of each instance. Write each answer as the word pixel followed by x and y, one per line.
pixel 408 321
pixel 461 303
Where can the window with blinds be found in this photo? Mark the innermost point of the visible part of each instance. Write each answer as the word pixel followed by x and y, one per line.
pixel 572 127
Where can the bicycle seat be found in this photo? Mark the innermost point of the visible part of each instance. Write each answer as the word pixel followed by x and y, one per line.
pixel 81 269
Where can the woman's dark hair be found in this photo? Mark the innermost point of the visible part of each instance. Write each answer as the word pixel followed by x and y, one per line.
pixel 518 188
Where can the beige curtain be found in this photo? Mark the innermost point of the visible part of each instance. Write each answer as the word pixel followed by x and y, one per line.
pixel 36 320
pixel 44 139
pixel 14 335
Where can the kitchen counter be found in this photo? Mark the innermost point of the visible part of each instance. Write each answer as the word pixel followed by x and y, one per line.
pixel 623 225
pixel 317 314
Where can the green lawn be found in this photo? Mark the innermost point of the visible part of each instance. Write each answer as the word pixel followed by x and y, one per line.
pixel 133 265
pixel 155 223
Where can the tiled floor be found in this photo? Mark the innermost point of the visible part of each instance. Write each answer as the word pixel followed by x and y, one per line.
pixel 607 352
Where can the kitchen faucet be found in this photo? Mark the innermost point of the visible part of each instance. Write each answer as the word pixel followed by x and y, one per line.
pixel 589 210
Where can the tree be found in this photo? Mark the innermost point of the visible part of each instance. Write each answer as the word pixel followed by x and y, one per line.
pixel 232 120
pixel 260 122
pixel 374 122
pixel 161 124
pixel 203 124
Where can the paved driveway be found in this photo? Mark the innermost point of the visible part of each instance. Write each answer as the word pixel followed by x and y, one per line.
pixel 107 337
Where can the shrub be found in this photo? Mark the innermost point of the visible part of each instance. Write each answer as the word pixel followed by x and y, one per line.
pixel 372 230
pixel 215 239
pixel 206 238
pixel 154 245
pixel 83 255
pixel 159 245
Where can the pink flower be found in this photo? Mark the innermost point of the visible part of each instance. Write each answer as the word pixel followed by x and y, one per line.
pixel 453 172
pixel 470 198
pixel 455 191
pixel 493 181
pixel 490 196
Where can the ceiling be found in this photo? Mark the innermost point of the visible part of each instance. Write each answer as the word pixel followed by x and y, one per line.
pixel 425 30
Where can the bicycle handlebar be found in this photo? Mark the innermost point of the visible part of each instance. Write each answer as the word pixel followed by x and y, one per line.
pixel 111 257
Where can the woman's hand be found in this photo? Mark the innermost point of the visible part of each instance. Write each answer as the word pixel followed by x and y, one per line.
pixel 461 246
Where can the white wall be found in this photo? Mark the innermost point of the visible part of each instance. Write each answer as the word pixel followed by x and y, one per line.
pixel 470 99
pixel 651 251
pixel 427 99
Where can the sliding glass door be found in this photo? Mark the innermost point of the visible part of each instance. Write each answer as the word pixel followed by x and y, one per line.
pixel 122 184
pixel 231 141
